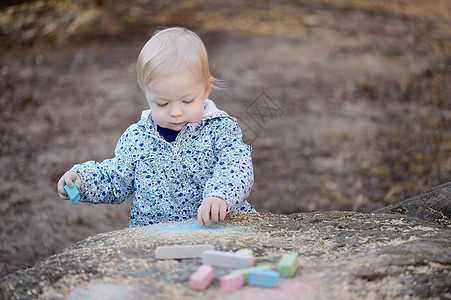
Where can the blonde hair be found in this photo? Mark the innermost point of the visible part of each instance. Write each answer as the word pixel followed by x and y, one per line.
pixel 171 50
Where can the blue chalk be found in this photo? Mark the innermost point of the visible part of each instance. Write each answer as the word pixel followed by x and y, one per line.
pixel 73 193
pixel 189 226
pixel 264 278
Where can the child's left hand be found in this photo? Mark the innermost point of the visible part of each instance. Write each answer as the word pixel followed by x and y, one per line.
pixel 213 208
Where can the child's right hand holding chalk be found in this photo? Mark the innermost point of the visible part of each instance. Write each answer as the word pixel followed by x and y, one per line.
pixel 68 178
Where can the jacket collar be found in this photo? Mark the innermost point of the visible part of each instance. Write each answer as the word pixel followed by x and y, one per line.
pixel 211 111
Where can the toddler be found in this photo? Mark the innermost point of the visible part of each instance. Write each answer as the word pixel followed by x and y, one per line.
pixel 184 158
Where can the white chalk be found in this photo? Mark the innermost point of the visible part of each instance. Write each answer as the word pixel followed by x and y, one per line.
pixel 227 259
pixel 181 251
pixel 202 278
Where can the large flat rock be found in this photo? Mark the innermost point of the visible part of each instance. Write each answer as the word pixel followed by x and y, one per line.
pixel 342 255
pixel 432 205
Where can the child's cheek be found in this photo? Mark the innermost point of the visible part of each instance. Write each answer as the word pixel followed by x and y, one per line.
pixel 199 115
pixel 156 116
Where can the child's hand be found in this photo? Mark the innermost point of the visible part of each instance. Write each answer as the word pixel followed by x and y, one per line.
pixel 68 179
pixel 211 208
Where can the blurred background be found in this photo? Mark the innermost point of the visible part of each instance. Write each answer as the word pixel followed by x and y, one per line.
pixel 346 103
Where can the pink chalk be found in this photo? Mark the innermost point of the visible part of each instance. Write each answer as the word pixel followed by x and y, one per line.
pixel 202 278
pixel 231 282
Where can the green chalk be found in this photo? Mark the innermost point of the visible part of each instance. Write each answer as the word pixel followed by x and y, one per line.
pixel 245 272
pixel 288 265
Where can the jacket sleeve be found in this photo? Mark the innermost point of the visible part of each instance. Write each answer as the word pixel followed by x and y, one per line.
pixel 233 174
pixel 111 181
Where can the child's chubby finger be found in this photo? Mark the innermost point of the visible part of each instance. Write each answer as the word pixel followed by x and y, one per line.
pixel 70 178
pixel 69 182
pixel 203 214
pixel 60 188
pixel 222 211
pixel 215 212
pixel 218 210
pixel 77 181
pixel 199 215
pixel 63 196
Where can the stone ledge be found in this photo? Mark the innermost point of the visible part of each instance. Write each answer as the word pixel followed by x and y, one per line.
pixel 341 254
pixel 432 205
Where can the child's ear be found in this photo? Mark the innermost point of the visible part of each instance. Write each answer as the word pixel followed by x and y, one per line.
pixel 208 88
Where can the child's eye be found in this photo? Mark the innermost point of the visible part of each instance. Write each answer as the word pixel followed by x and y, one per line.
pixel 161 104
pixel 188 101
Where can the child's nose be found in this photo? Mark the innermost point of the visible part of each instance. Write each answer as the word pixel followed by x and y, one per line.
pixel 176 110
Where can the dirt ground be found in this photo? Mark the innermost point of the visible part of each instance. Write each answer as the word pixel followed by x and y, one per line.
pixel 346 103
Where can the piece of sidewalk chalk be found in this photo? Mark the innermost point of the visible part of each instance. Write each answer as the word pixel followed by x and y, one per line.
pixel 202 278
pixel 288 265
pixel 181 251
pixel 245 251
pixel 72 193
pixel 231 282
pixel 227 259
pixel 264 278
pixel 245 272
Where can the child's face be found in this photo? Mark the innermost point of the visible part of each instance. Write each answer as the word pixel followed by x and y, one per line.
pixel 178 99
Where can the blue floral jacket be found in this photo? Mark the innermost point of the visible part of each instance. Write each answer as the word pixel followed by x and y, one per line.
pixel 170 180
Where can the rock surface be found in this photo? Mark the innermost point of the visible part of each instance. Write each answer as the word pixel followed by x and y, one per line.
pixel 433 205
pixel 344 255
